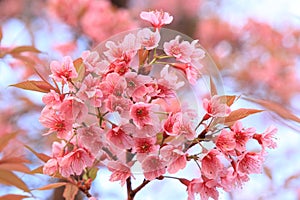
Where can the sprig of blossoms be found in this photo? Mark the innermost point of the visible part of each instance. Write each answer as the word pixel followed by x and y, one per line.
pixel 120 108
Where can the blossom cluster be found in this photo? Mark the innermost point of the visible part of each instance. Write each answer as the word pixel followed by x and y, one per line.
pixel 121 108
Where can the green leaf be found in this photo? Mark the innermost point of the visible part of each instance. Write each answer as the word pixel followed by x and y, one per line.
pixel 93 173
pixel 9 178
pixel 52 186
pixel 39 86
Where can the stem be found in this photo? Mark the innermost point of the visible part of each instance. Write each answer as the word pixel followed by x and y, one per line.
pixel 130 192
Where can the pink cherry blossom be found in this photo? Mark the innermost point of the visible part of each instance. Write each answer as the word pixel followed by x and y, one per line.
pixel 145 146
pixel 215 107
pixel 157 18
pixel 134 81
pixel 74 162
pixel 50 167
pixel 267 138
pixel 141 114
pixel 63 72
pixel 53 99
pixel 148 39
pixel 182 51
pixel 250 162
pixel 120 172
pixel 226 141
pixel 153 167
pixel 56 123
pixel 191 72
pixel 198 186
pixel 241 136
pixel 92 138
pixel 174 157
pixel 119 138
pixel 211 164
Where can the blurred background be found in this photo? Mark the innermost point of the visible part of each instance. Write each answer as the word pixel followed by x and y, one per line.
pixel 255 45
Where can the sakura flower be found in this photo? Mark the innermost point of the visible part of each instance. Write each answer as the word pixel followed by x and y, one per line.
pixel 267 138
pixel 63 72
pixel 145 145
pixel 119 138
pixel 113 84
pixel 182 51
pixel 226 141
pixel 141 114
pixel 52 99
pixel 50 167
pixel 191 72
pixel 153 167
pixel 91 138
pixel 241 136
pixel 74 162
pixel 89 89
pixel 148 39
pixel 56 123
pixel 215 107
pixel 204 188
pixel 120 172
pixel 157 18
pixel 211 164
pixel 174 158
pixel 121 105
pixel 134 81
pixel 250 162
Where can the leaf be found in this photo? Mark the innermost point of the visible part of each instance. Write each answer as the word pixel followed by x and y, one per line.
pixel 92 173
pixel 80 69
pixel 41 156
pixel 213 89
pixel 38 170
pixel 228 99
pixel 6 138
pixel 39 86
pixel 9 178
pixel 14 167
pixel 13 197
pixel 268 172
pixel 239 114
pixel 24 48
pixel 70 191
pixel 1 33
pixel 143 54
pixel 276 108
pixel 52 186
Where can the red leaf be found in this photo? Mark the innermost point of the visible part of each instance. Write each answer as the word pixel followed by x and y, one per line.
pixel 41 156
pixel 14 167
pixel 21 49
pixel 39 86
pixel 229 100
pixel 1 33
pixel 6 138
pixel 239 114
pixel 13 197
pixel 276 108
pixel 213 89
pixel 143 54
pixel 52 186
pixel 70 191
pixel 9 178
pixel 38 170
pixel 80 69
